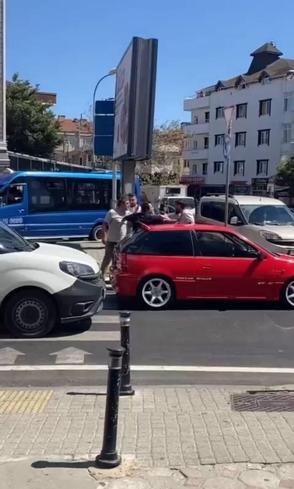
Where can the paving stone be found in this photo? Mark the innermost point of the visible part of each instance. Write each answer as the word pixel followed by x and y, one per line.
pixel 260 478
pixel 223 483
pixel 194 483
pixel 128 483
pixel 286 471
pixel 198 472
pixel 229 471
pixel 287 484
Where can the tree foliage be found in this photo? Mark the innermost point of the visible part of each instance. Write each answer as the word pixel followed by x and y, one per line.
pixel 166 153
pixel 31 126
pixel 169 133
pixel 285 175
pixel 160 179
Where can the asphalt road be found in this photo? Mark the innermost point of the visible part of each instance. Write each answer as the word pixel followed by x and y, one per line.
pixel 195 343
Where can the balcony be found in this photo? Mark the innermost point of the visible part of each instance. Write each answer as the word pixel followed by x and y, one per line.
pixel 193 129
pixel 192 179
pixel 196 102
pixel 195 154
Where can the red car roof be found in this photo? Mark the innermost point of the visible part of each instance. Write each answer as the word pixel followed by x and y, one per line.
pixel 185 227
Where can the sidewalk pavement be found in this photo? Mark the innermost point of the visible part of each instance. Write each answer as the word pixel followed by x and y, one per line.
pixel 190 433
pixel 93 248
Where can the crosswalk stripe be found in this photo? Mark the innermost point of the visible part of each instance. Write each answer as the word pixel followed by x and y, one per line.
pixel 86 336
pixel 105 319
pixel 153 368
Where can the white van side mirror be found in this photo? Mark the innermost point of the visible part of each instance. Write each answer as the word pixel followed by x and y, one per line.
pixel 234 221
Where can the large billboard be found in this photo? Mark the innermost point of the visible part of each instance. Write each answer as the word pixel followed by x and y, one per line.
pixel 134 100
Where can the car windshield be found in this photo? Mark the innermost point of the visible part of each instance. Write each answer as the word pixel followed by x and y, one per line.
pixel 188 201
pixel 10 241
pixel 273 215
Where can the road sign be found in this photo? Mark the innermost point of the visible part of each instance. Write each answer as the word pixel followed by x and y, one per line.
pixel 104 127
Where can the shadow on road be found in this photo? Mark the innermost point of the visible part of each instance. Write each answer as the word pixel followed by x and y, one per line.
pixel 46 464
pixel 208 305
pixel 96 394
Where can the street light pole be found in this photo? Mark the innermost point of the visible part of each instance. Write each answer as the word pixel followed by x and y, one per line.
pixel 228 114
pixel 4 159
pixel 111 73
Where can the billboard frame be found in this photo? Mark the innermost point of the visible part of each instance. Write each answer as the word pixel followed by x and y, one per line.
pixel 142 79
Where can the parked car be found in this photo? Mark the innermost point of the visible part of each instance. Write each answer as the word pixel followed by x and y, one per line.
pixel 264 220
pixel 43 283
pixel 160 264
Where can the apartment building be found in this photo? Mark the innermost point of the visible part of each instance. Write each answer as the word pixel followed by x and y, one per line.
pixel 262 129
pixel 76 141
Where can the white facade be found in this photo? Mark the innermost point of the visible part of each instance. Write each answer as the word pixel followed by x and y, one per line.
pixel 255 158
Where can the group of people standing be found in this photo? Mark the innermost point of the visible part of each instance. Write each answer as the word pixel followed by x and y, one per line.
pixel 127 217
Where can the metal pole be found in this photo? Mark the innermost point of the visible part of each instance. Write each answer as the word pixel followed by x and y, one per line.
pixel 228 167
pixel 111 73
pixel 125 387
pixel 108 457
pixel 114 185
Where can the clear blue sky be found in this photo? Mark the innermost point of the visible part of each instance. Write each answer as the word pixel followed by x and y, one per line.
pixel 66 45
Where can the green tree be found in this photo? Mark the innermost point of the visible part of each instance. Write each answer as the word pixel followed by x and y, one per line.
pixel 31 126
pixel 285 175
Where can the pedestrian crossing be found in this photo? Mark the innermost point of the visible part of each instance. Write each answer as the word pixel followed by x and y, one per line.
pixel 71 332
pixel 62 346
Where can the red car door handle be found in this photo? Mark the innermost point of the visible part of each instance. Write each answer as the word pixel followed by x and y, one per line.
pixel 205 268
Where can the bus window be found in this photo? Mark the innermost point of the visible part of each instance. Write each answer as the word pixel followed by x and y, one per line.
pixel 92 194
pixel 47 195
pixel 12 195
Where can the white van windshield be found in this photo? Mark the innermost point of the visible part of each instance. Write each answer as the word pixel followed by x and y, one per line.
pixel 10 241
pixel 273 215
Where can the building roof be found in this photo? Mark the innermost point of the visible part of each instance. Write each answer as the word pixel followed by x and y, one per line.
pixel 74 125
pixel 268 47
pixel 266 63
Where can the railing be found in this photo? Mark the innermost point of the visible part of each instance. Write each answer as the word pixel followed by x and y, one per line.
pixel 21 162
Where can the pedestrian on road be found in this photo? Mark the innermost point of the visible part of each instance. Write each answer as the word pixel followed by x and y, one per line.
pixel 133 204
pixel 185 215
pixel 114 229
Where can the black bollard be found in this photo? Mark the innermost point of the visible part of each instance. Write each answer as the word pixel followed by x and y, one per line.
pixel 109 458
pixel 125 386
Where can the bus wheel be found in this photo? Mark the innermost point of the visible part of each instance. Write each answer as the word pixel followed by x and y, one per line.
pixel 96 233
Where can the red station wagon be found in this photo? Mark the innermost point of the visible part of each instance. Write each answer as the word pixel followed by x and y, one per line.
pixel 159 264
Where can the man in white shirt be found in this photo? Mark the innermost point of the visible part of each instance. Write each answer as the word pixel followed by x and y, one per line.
pixel 113 231
pixel 133 204
pixel 185 215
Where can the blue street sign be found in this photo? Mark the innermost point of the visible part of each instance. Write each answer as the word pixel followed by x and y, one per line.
pixel 104 127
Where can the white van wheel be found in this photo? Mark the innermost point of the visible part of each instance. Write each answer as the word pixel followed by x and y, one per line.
pixel 29 313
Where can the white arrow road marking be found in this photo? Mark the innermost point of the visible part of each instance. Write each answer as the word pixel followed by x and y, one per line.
pixel 70 355
pixel 8 355
pixel 105 319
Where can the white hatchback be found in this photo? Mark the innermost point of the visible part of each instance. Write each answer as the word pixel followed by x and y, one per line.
pixel 41 284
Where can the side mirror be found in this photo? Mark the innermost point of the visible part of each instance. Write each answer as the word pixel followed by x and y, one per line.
pixel 234 221
pixel 258 255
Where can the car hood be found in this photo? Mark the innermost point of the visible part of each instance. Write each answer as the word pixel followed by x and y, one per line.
pixel 66 253
pixel 285 232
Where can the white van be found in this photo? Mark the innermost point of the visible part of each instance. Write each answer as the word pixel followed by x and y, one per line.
pixel 264 220
pixel 41 284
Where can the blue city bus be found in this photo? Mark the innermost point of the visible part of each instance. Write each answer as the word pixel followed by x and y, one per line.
pixel 52 205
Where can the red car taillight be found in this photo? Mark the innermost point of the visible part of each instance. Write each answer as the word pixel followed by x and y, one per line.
pixel 122 262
